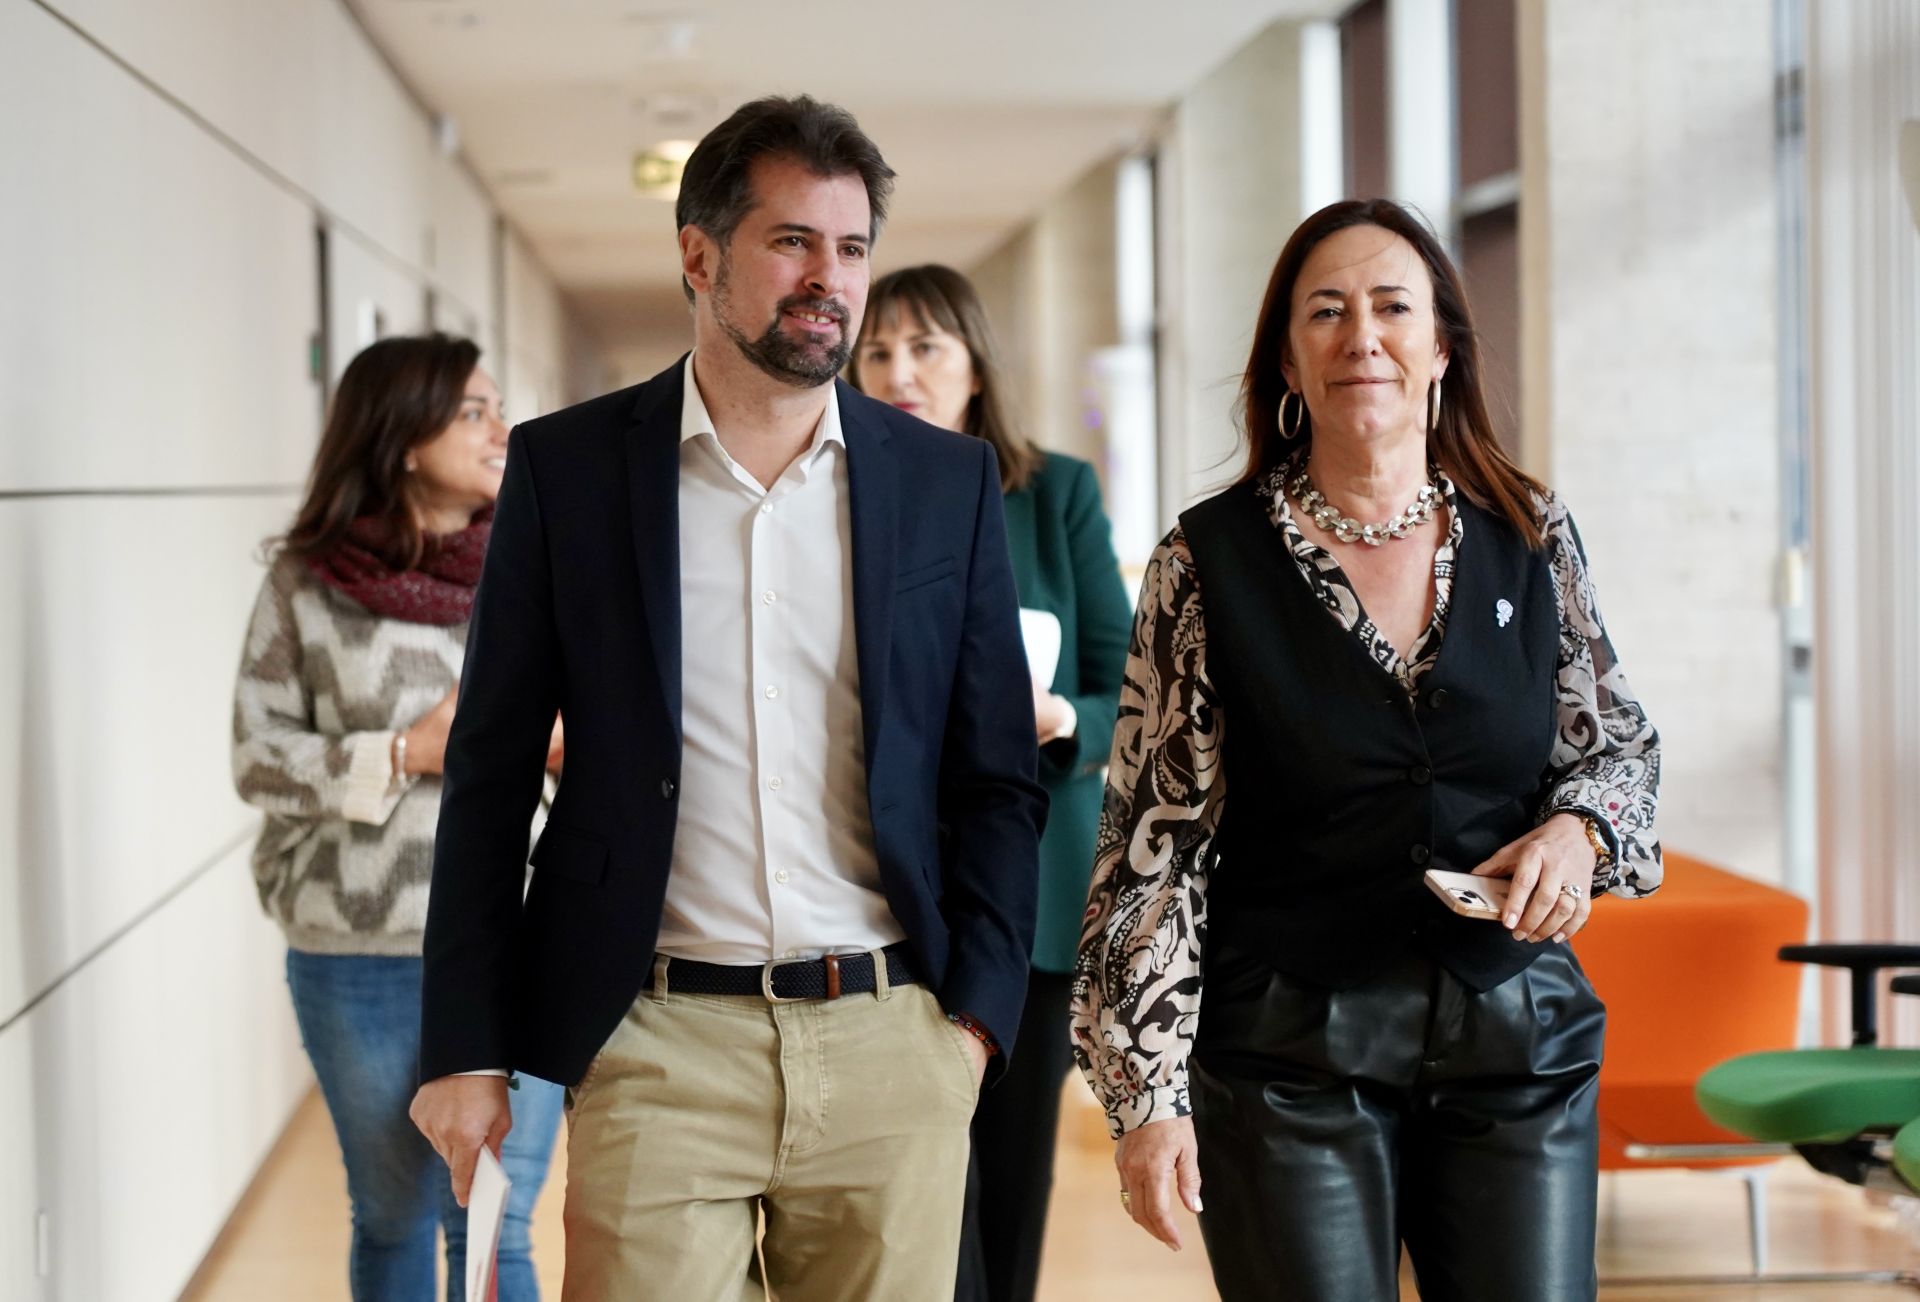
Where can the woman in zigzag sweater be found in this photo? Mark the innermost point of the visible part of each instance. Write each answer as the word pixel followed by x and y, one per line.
pixel 346 688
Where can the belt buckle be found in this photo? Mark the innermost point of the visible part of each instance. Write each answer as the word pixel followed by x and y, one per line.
pixel 766 980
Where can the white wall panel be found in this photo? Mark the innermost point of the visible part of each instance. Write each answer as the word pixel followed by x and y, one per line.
pixel 375 166
pixel 138 1099
pixel 1231 186
pixel 114 769
pixel 166 167
pixel 296 84
pixel 157 294
pixel 360 283
pixel 462 264
pixel 536 338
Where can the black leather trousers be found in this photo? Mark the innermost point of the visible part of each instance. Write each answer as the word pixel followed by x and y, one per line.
pixel 1335 1125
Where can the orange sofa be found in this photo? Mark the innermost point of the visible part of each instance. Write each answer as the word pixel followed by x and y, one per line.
pixel 1691 977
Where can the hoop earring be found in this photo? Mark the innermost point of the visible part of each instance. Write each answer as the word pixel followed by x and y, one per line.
pixel 1291 430
pixel 1433 405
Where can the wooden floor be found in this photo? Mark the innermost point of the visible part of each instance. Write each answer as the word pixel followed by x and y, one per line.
pixel 288 1240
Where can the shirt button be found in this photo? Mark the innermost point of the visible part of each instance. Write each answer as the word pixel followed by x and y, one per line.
pixel 781 876
pixel 772 693
pixel 773 784
pixel 1419 854
pixel 767 596
pixel 766 507
pixel 666 788
pixel 1420 775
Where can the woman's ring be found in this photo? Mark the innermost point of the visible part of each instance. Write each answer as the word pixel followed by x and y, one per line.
pixel 1571 890
pixel 1126 1200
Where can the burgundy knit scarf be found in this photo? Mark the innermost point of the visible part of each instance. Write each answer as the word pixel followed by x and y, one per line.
pixel 439 590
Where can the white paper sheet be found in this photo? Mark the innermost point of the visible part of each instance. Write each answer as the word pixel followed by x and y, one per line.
pixel 486 1209
pixel 1040 630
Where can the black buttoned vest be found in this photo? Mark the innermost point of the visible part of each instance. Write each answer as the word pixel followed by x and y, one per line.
pixel 1342 789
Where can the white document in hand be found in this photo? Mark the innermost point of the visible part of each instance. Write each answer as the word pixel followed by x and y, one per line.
pixel 1040 630
pixel 486 1209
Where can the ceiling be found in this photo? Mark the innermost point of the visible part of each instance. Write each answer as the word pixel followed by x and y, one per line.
pixel 986 108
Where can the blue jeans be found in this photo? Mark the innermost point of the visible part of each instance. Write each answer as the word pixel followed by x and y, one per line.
pixel 359 1017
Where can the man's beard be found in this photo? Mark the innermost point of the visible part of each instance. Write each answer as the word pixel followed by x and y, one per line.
pixel 803 363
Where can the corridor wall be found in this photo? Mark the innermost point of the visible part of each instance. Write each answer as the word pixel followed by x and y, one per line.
pixel 1650 353
pixel 1050 293
pixel 1242 160
pixel 1651 376
pixel 169 171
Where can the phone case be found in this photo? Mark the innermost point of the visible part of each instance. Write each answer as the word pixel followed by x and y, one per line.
pixel 1470 896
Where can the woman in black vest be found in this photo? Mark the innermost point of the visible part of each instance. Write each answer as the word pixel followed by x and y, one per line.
pixel 1383 642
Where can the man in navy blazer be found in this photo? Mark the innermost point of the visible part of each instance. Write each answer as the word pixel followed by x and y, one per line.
pixel 780 916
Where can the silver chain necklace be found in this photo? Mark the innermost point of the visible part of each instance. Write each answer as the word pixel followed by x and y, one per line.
pixel 1347 529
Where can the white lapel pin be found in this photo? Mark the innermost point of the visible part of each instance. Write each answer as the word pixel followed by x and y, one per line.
pixel 1503 611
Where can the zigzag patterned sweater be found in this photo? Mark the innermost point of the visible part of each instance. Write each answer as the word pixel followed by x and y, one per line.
pixel 343 860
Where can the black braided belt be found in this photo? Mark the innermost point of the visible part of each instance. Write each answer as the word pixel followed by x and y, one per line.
pixel 785 980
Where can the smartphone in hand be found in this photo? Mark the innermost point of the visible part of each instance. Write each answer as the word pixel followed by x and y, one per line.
pixel 1470 896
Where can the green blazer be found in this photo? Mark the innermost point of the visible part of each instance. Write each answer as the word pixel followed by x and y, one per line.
pixel 1063 562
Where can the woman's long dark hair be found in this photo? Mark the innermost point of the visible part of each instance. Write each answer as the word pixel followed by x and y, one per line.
pixel 1464 444
pixel 397 394
pixel 940 296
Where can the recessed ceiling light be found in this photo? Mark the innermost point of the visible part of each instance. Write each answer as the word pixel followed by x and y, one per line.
pixel 656 171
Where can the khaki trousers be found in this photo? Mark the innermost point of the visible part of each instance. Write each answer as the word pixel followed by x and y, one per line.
pixel 843 1123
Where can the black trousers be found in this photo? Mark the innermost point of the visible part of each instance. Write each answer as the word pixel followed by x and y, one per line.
pixel 1011 1175
pixel 1335 1125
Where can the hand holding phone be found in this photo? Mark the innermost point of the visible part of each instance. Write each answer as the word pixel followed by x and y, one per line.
pixel 1470 896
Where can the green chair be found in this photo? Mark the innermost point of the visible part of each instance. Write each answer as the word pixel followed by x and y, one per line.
pixel 1906 1141
pixel 1852 1113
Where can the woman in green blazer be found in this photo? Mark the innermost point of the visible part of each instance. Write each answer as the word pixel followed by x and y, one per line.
pixel 926 348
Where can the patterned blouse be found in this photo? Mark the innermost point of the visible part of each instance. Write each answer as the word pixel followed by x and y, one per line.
pixel 1136 994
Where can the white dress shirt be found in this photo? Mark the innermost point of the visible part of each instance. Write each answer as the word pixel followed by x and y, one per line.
pixel 773 853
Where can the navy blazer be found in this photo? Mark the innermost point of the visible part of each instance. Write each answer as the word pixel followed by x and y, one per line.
pixel 579 611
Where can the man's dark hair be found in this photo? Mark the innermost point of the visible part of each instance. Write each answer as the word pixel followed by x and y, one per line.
pixel 715 191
